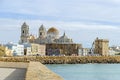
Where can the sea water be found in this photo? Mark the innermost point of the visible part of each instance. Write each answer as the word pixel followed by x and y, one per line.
pixel 87 71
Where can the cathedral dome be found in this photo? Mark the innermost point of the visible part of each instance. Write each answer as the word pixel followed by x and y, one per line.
pixel 52 33
pixel 53 30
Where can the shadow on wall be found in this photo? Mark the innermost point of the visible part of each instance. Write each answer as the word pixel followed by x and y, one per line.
pixel 18 74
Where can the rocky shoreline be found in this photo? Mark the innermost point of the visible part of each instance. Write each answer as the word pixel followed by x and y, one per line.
pixel 64 59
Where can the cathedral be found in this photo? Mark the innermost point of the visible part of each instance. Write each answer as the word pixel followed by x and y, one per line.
pixel 45 36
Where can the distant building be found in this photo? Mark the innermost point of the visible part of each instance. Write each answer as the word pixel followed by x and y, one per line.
pixel 27 49
pixel 24 33
pixel 62 49
pixel 4 51
pixel 48 42
pixel 83 51
pixel 114 50
pixel 17 49
pixel 38 49
pixel 45 37
pixel 101 47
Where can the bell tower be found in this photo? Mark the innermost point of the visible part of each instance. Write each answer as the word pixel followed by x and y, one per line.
pixel 24 33
pixel 42 32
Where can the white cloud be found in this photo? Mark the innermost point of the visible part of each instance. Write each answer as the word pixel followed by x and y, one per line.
pixel 71 9
pixel 88 18
pixel 13 23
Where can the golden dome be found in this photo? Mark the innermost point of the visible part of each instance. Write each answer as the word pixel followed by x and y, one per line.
pixel 52 30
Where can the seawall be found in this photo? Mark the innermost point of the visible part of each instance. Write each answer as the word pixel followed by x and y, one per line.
pixel 37 71
pixel 33 71
pixel 64 59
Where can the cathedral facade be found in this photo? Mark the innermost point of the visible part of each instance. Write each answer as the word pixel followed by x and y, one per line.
pixel 44 36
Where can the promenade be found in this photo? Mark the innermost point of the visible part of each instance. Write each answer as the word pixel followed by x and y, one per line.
pixel 26 71
pixel 12 74
pixel 13 70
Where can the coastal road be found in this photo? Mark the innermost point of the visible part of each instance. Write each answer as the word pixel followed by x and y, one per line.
pixel 12 74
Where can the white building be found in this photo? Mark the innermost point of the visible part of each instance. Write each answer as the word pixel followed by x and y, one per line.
pixel 111 51
pixel 83 51
pixel 17 49
pixel 27 49
pixel 115 50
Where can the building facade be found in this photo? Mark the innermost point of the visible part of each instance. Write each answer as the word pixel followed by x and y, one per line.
pixel 17 49
pixel 62 49
pixel 4 51
pixel 83 51
pixel 24 33
pixel 37 49
pixel 27 49
pixel 101 47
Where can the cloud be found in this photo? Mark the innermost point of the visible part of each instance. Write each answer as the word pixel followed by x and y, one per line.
pixel 84 18
pixel 101 10
pixel 13 23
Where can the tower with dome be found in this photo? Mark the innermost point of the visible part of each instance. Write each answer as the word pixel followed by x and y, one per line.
pixel 44 36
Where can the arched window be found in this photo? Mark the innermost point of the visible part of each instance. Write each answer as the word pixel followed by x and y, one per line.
pixel 40 33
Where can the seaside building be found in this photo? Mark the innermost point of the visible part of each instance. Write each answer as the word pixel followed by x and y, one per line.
pixel 27 49
pixel 4 51
pixel 101 47
pixel 17 49
pixel 83 51
pixel 62 49
pixel 114 50
pixel 45 36
pixel 48 42
pixel 37 49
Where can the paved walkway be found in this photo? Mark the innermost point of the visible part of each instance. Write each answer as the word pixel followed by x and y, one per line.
pixel 12 74
pixel 38 71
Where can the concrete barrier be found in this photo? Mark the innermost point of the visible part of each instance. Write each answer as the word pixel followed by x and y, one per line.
pixel 38 71
pixel 13 65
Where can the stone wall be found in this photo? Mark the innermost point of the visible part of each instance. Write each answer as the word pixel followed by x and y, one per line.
pixel 37 71
pixel 64 59
pixel 65 49
pixel 13 65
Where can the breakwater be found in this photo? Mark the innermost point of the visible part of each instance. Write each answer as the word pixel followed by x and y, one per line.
pixel 64 59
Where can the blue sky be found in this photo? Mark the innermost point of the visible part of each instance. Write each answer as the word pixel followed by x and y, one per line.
pixel 82 20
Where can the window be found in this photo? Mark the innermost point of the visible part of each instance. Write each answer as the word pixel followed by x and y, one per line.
pixel 40 33
pixel 23 31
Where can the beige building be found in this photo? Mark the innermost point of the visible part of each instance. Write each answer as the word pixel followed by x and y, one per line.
pixel 101 47
pixel 4 51
pixel 63 49
pixel 38 49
